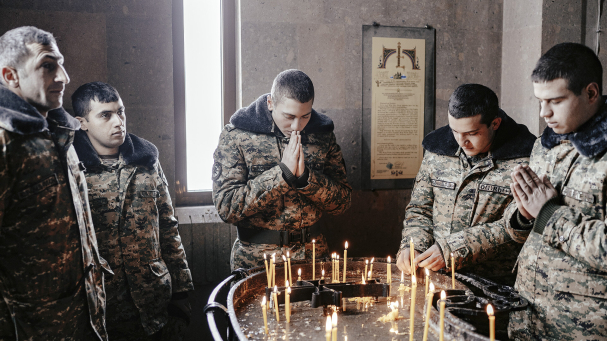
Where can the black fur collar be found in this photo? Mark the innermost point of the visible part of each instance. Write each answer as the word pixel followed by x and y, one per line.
pixel 258 119
pixel 134 151
pixel 18 116
pixel 590 140
pixel 513 140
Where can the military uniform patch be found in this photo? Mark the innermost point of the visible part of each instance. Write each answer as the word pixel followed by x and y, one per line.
pixel 442 184
pixel 578 195
pixel 494 188
pixel 216 170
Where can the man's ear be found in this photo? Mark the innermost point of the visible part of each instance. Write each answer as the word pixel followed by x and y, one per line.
pixel 270 103
pixel 9 77
pixel 496 123
pixel 592 90
pixel 83 123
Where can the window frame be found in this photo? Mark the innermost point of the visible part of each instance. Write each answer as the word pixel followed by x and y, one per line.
pixel 229 93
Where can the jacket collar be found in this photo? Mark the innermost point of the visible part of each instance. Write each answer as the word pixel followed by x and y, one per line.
pixel 20 117
pixel 590 140
pixel 512 140
pixel 134 151
pixel 257 118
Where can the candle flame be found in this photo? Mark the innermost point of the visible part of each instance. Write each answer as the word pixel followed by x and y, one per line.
pixel 372 259
pixel 264 256
pixel 313 241
pixel 287 284
pixel 451 254
pixel 275 288
pixel 323 272
pixel 366 261
pixel 328 325
pixel 369 274
pixel 263 301
pixel 431 286
pixel 363 277
pixel 289 290
pixel 402 276
pixel 337 256
pixel 346 245
pixel 443 296
pixel 288 255
pixel 489 310
pixel 389 259
pixel 427 272
pixel 299 272
pixel 274 256
pixel 413 280
pixel 284 258
pixel 334 319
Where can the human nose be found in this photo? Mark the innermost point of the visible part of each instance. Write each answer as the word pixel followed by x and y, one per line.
pixel 118 121
pixel 295 124
pixel 545 110
pixel 62 75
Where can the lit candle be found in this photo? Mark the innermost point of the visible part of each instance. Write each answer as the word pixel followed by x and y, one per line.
pixel 412 250
pixel 389 270
pixel 332 267
pixel 313 259
pixel 328 329
pixel 452 271
pixel 334 323
pixel 363 276
pixel 345 259
pixel 299 274
pixel 272 260
pixel 402 277
pixel 369 274
pixel 412 314
pixel 265 260
pixel 443 298
pixel 289 261
pixel 284 264
pixel 276 303
pixel 491 322
pixel 371 268
pixel 288 303
pixel 428 308
pixel 366 267
pixel 427 282
pixel 322 274
pixel 265 313
pixel 337 268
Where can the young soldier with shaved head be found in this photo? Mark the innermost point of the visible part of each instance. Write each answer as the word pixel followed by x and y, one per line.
pixel 561 203
pixel 51 275
pixel 134 221
pixel 277 169
pixel 462 189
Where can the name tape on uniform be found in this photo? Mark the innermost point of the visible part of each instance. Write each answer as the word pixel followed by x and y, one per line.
pixel 442 184
pixel 578 195
pixel 494 188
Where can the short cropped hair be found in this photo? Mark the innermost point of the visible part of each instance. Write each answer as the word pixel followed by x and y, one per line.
pixel 94 91
pixel 13 44
pixel 575 63
pixel 293 84
pixel 474 99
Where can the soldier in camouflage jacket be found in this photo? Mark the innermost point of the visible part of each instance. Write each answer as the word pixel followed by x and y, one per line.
pixel 51 275
pixel 458 201
pixel 251 189
pixel 133 215
pixel 562 268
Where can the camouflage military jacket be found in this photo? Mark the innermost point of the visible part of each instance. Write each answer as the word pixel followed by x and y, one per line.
pixel 562 268
pixel 136 229
pixel 459 206
pixel 50 269
pixel 249 189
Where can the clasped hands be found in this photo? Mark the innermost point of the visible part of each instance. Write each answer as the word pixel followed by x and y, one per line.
pixel 293 156
pixel 530 191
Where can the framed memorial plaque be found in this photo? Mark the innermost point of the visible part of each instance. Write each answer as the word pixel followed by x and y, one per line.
pixel 398 103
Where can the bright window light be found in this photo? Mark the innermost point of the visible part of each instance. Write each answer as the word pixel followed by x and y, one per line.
pixel 203 84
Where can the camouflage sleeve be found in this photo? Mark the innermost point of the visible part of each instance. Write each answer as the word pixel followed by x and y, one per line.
pixel 418 223
pixel 171 248
pixel 475 244
pixel 330 190
pixel 235 196
pixel 581 236
pixel 511 226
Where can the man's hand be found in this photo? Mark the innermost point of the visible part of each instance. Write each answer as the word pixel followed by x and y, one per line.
pixel 301 166
pixel 431 259
pixel 292 152
pixel 531 191
pixel 404 261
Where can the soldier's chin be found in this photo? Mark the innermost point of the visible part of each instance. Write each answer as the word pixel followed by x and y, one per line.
pixel 470 152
